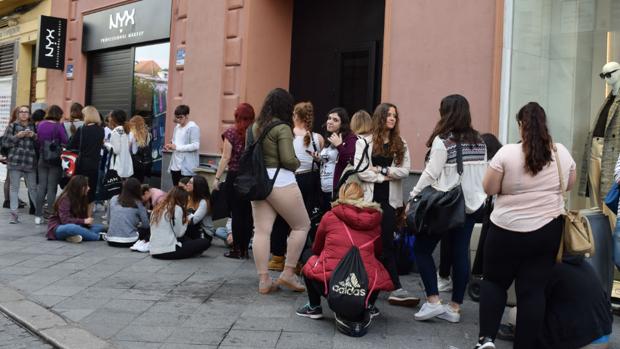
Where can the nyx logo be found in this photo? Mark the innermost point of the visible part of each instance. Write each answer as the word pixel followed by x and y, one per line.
pixel 49 47
pixel 122 19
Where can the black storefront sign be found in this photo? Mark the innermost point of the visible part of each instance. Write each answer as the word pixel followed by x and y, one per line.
pixel 137 22
pixel 51 44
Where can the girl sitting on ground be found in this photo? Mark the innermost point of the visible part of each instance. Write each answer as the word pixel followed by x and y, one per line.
pixel 151 196
pixel 70 220
pixel 168 223
pixel 200 222
pixel 129 221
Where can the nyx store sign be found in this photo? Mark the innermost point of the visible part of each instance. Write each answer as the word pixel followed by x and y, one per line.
pixel 137 22
pixel 51 43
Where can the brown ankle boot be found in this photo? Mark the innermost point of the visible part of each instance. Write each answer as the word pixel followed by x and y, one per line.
pixel 276 263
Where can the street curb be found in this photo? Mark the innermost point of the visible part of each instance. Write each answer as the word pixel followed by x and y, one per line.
pixel 46 324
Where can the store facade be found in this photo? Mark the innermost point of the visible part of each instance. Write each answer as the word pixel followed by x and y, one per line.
pixel 553 54
pixel 224 52
pixel 19 28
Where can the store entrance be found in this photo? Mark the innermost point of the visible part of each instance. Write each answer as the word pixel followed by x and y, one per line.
pixel 336 54
pixel 134 79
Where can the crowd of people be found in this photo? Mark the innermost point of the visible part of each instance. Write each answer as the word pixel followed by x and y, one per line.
pixel 329 191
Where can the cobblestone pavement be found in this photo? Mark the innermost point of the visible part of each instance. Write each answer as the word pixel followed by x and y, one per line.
pixel 14 336
pixel 135 301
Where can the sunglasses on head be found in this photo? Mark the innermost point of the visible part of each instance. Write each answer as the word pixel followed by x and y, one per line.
pixel 607 75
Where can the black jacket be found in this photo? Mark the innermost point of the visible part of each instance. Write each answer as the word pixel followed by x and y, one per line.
pixel 578 310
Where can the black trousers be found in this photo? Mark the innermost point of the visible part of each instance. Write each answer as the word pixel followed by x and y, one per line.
pixel 388 257
pixel 176 177
pixel 241 215
pixel 189 249
pixel 445 256
pixel 140 170
pixel 316 289
pixel 526 258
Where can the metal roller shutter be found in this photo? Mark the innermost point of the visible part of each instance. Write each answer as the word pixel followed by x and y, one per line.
pixel 110 79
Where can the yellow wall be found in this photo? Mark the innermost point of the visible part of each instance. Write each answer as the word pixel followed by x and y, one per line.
pixel 25 33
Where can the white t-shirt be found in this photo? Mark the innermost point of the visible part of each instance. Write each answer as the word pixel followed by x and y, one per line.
pixel 187 140
pixel 526 203
pixel 301 151
pixel 329 157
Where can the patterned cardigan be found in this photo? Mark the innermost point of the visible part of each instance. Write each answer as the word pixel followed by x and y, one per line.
pixel 22 151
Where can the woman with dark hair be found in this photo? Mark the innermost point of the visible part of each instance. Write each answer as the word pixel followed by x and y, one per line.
pixel 199 224
pixel 285 198
pixel 50 134
pixel 337 153
pixel 20 138
pixel 241 210
pixel 70 219
pixel 526 226
pixel 76 119
pixel 119 144
pixel 387 156
pixel 452 131
pixel 307 146
pixel 88 141
pixel 168 223
pixel 128 219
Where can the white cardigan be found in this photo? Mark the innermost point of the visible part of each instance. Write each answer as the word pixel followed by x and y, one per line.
pixel 369 178
pixel 164 233
pixel 444 176
pixel 121 157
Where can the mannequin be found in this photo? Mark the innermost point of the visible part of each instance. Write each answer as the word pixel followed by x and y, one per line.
pixel 603 142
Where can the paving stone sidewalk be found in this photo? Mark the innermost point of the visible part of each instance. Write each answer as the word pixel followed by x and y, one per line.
pixel 14 336
pixel 135 301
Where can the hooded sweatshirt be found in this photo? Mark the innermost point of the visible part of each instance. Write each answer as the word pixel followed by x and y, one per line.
pixel 332 243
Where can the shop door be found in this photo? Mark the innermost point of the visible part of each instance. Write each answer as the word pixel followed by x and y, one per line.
pixel 336 54
pixel 110 80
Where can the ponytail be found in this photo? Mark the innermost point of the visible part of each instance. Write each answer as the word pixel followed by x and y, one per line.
pixel 537 142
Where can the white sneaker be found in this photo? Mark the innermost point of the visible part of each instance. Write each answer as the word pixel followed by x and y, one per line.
pixel 450 315
pixel 444 285
pixel 76 239
pixel 135 246
pixel 429 310
pixel 144 247
pixel 38 220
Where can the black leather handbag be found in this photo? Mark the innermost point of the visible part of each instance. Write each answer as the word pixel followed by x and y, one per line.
pixel 434 212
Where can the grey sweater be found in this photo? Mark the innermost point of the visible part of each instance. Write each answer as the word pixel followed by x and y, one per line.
pixel 125 221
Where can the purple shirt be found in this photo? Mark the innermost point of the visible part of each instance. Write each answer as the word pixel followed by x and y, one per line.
pixel 63 216
pixel 49 131
pixel 346 152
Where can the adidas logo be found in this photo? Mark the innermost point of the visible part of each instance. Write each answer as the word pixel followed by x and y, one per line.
pixel 350 287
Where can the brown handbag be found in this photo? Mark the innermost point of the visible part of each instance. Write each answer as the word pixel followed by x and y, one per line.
pixel 577 234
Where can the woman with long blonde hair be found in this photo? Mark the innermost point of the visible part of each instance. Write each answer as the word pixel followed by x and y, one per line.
pixel 140 147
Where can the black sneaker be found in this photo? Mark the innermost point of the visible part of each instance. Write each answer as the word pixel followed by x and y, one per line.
pixel 313 313
pixel 506 332
pixel 485 343
pixel 373 310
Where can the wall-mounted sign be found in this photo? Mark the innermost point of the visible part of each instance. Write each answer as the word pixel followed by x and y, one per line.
pixel 137 22
pixel 69 71
pixel 51 43
pixel 180 60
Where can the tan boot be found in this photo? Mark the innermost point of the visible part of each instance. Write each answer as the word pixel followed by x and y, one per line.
pixel 276 263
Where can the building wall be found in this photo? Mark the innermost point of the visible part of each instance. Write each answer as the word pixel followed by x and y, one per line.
pixel 26 33
pixel 437 48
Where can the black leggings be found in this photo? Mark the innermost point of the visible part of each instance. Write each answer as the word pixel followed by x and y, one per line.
pixel 316 289
pixel 388 257
pixel 445 256
pixel 526 258
pixel 241 215
pixel 189 249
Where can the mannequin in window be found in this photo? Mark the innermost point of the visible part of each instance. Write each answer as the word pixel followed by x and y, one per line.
pixel 603 142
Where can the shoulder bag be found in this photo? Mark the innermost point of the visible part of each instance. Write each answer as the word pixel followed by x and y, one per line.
pixel 576 236
pixel 434 212
pixel 51 148
pixel 69 158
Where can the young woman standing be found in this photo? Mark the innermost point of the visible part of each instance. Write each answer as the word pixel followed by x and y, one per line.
pixel 119 142
pixel 49 171
pixel 453 130
pixel 70 219
pixel 285 199
pixel 241 210
pixel 20 137
pixel 140 147
pixel 337 154
pixel 389 163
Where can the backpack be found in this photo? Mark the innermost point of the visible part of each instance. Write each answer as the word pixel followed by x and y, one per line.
pixel 252 181
pixel 350 172
pixel 144 155
pixel 349 289
pixel 5 148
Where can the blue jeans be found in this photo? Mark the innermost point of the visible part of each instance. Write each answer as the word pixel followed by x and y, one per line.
pixel 423 249
pixel 91 233
pixel 616 241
